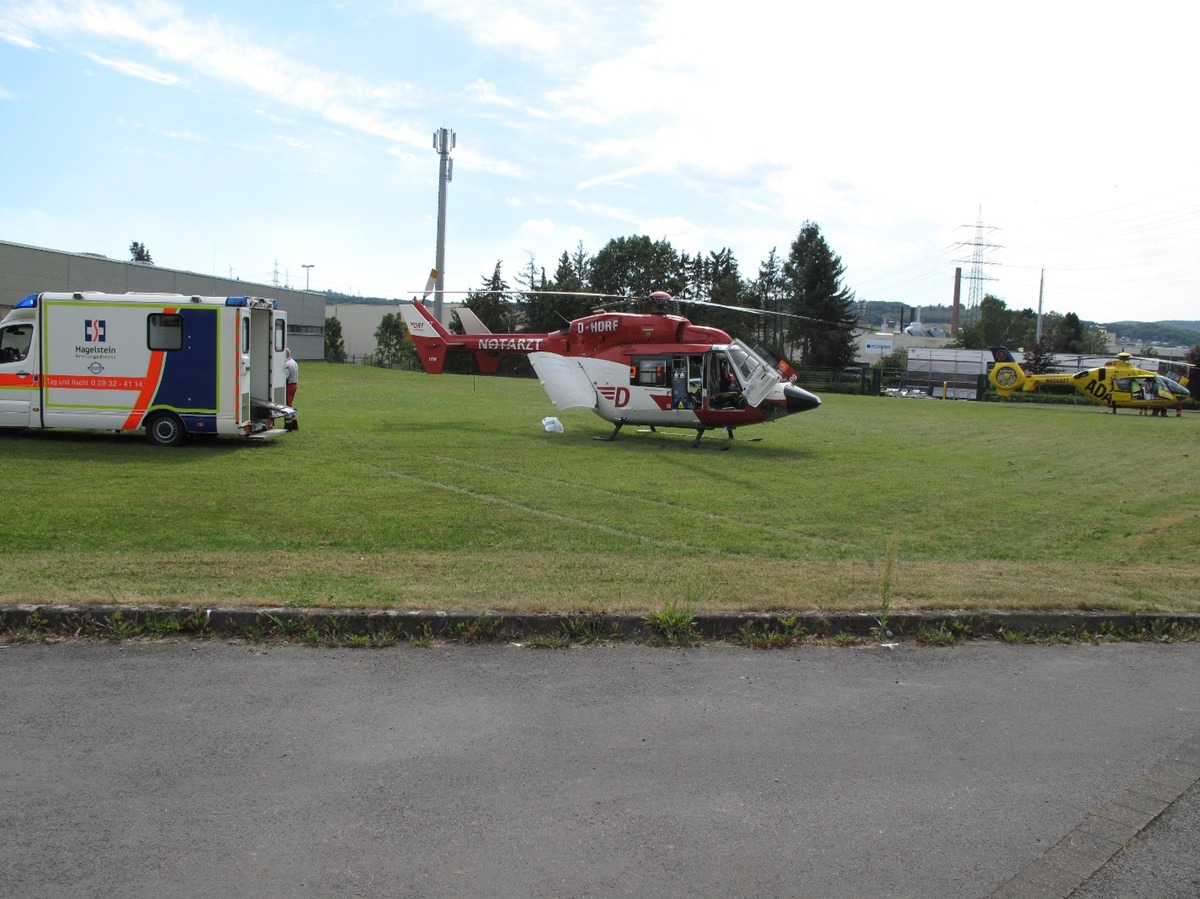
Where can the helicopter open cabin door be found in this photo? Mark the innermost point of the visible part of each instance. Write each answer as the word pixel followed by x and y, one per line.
pixel 757 377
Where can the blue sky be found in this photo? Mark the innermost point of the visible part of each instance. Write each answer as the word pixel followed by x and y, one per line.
pixel 241 137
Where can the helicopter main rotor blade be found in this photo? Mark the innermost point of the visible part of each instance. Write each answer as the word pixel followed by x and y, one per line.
pixel 659 296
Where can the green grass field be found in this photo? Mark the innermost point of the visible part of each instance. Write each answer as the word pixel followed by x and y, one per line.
pixel 412 491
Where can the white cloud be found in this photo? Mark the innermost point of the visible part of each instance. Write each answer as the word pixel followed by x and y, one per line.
pixel 136 70
pixel 296 143
pixel 484 91
pixel 538 227
pixel 556 33
pixel 226 54
pixel 9 34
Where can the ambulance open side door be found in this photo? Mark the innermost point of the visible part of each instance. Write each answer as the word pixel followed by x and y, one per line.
pixel 279 358
pixel 243 384
pixel 262 332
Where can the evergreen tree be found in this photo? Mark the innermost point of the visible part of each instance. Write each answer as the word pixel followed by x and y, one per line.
pixel 335 346
pixel 490 303
pixel 139 253
pixel 550 311
pixel 813 278
pixel 767 292
pixel 715 279
pixel 530 301
pixel 724 283
pixel 566 276
pixel 582 264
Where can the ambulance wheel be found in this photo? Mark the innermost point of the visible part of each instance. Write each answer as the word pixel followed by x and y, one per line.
pixel 165 429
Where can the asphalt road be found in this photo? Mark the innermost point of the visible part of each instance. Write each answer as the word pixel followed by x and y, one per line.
pixel 209 768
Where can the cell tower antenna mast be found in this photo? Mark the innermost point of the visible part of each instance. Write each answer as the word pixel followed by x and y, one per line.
pixel 443 142
pixel 976 276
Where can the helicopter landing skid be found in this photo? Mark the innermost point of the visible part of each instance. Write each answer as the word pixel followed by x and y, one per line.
pixel 613 436
pixel 701 434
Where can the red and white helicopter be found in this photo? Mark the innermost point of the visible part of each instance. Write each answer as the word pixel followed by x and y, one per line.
pixel 654 369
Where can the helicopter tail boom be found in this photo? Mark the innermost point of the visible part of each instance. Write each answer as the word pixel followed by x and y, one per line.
pixel 433 341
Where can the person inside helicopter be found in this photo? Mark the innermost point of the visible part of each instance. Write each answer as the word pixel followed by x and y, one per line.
pixel 728 393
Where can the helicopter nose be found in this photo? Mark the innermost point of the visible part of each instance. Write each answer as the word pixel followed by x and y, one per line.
pixel 799 399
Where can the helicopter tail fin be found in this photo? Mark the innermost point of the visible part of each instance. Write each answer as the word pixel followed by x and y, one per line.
pixel 1006 375
pixel 428 335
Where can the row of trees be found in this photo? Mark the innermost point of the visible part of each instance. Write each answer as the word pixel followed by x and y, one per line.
pixel 818 311
pixel 1000 326
pixel 1066 334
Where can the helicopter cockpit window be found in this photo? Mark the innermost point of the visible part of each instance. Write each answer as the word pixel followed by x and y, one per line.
pixel 14 343
pixel 758 377
pixel 744 359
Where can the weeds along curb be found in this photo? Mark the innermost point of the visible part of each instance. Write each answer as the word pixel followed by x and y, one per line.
pixel 360 627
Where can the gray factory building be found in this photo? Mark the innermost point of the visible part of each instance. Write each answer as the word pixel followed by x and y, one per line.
pixel 26 270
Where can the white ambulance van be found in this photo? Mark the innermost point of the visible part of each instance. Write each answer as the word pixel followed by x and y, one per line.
pixel 174 365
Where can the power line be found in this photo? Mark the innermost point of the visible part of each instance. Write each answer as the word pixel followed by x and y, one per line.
pixel 979 249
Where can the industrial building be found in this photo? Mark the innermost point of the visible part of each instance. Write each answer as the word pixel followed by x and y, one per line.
pixel 26 270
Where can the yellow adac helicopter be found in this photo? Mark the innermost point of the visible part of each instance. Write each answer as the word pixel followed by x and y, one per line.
pixel 1118 384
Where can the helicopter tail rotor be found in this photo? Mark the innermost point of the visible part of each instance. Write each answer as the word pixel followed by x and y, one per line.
pixel 1006 375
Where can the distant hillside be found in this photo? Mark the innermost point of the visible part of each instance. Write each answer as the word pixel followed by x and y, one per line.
pixel 1177 333
pixel 1168 333
pixel 332 297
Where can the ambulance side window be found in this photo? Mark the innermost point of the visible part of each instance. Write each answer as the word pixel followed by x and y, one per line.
pixel 14 342
pixel 246 335
pixel 164 332
pixel 280 335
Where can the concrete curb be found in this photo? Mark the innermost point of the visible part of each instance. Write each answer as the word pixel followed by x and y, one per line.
pixel 332 625
pixel 1067 865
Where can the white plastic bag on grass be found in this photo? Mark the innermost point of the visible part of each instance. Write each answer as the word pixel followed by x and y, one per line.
pixel 552 425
